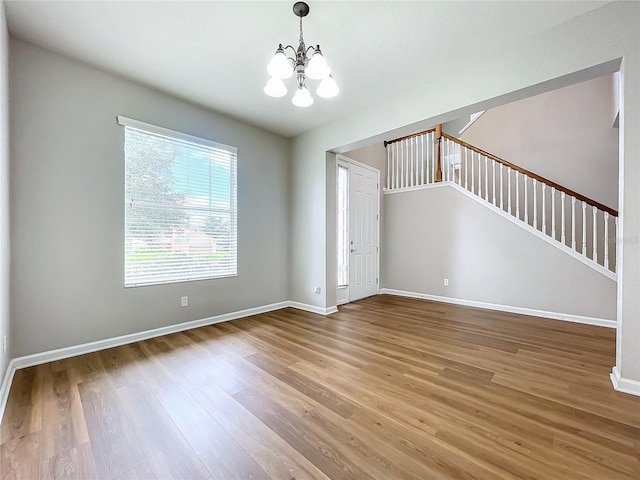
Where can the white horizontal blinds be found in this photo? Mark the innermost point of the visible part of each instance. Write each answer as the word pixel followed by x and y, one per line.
pixel 180 207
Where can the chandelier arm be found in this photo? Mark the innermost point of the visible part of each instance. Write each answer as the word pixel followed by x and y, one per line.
pixel 311 47
pixel 292 49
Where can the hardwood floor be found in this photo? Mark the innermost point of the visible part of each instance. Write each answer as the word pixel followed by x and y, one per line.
pixel 388 388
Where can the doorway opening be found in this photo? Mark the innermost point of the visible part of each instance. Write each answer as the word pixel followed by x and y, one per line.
pixel 358 230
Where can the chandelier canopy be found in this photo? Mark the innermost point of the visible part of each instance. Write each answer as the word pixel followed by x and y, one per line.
pixel 306 63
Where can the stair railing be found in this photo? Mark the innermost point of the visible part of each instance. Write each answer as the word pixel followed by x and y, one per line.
pixel 587 227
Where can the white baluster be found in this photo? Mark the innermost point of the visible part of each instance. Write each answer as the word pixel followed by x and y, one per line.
pixel 388 167
pixel 615 236
pixel 553 212
pixel 427 165
pixel 486 180
pixel 434 160
pixel 544 208
pixel 459 156
pixel 606 239
pixel 400 162
pixel 509 187
pixel 562 234
pixel 466 168
pixel 573 222
pixel 410 161
pixel 407 154
pixel 473 175
pixel 526 201
pixel 479 175
pixel 518 195
pixel 595 235
pixel 450 160
pixel 493 179
pixel 535 204
pixel 396 166
pixel 422 160
pixel 418 161
pixel 447 160
pixel 501 190
pixel 584 228
pixel 443 158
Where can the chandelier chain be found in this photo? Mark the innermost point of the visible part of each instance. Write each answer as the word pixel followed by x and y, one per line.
pixel 301 40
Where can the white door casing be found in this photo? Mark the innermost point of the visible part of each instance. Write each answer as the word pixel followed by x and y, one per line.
pixel 363 231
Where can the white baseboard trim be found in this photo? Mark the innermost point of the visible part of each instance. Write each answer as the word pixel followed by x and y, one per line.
pixel 600 322
pixel 60 353
pixel 6 386
pixel 66 352
pixel 312 308
pixel 624 385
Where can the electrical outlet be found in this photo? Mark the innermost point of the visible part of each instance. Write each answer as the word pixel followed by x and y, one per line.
pixel 317 290
pixel 184 302
pixel 446 282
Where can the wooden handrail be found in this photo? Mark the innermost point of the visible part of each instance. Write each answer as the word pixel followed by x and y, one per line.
pixel 524 171
pixel 387 142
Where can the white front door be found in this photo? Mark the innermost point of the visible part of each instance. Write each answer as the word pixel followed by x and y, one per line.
pixel 363 232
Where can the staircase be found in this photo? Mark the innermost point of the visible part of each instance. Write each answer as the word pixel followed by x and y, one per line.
pixel 572 222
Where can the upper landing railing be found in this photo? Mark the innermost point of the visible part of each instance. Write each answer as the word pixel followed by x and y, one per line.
pixel 587 227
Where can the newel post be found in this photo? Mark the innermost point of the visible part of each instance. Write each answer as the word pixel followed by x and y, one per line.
pixel 439 139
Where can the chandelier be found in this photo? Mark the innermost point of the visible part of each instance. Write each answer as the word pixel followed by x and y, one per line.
pixel 306 63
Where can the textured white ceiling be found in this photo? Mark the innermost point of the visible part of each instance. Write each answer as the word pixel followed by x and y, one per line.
pixel 215 53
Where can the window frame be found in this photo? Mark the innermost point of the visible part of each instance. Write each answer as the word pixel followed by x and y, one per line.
pixel 173 135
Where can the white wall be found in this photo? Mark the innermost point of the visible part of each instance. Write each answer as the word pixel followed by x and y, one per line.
pixel 565 135
pixel 440 233
pixel 4 190
pixel 583 48
pixel 67 207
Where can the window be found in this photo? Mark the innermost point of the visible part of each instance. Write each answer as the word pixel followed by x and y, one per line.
pixel 180 207
pixel 343 227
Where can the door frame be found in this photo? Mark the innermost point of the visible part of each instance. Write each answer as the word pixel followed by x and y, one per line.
pixel 346 161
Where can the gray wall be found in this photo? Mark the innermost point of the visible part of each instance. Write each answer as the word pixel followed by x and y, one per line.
pixel 440 233
pixel 577 50
pixel 556 134
pixel 4 191
pixel 67 207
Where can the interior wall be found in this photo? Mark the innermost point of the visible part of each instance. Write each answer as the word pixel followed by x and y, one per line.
pixel 68 207
pixel 5 254
pixel 555 134
pixel 485 257
pixel 577 50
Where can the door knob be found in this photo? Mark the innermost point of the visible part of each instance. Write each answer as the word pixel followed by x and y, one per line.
pixel 353 250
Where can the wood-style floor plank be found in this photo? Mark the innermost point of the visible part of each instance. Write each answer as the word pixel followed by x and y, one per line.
pixel 388 387
pixel 73 464
pixel 218 450
pixel 270 450
pixel 115 447
pixel 168 453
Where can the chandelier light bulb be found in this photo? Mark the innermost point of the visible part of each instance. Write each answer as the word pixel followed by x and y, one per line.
pixel 302 98
pixel 317 68
pixel 275 87
pixel 280 67
pixel 328 88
